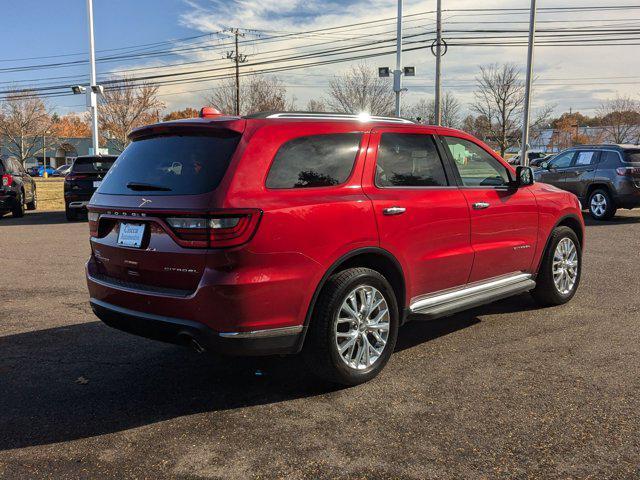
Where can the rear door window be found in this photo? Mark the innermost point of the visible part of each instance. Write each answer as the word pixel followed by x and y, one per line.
pixel 314 161
pixel 171 165
pixel 93 164
pixel 409 160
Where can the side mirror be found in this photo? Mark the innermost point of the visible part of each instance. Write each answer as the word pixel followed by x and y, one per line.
pixel 524 176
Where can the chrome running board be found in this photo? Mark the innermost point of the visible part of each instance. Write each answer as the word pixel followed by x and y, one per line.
pixel 479 293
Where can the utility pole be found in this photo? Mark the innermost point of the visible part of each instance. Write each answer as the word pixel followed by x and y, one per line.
pixel 92 97
pixel 438 99
pixel 237 58
pixel 397 73
pixel 524 160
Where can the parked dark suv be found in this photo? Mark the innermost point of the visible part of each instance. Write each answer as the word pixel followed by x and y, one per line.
pixel 17 190
pixel 83 179
pixel 603 177
pixel 318 233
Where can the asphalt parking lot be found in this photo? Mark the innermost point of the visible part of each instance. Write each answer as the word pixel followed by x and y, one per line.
pixel 505 391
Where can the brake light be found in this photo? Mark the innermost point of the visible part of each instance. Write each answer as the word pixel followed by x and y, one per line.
pixel 220 229
pixel 209 112
pixel 628 171
pixel 7 180
pixel 94 218
pixel 71 177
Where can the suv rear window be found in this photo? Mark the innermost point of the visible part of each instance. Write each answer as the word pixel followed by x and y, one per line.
pixel 314 161
pixel 93 164
pixel 632 156
pixel 171 165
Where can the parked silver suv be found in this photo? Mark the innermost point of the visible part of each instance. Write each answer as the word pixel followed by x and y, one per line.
pixel 603 177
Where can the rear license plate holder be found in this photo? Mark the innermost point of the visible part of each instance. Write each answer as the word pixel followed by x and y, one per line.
pixel 131 234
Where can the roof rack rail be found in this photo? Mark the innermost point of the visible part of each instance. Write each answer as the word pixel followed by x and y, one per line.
pixel 336 116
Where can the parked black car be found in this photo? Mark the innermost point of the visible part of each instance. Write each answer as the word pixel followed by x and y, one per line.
pixel 84 178
pixel 17 190
pixel 603 177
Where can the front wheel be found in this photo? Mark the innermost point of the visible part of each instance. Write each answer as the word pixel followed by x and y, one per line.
pixel 354 327
pixel 33 204
pixel 560 270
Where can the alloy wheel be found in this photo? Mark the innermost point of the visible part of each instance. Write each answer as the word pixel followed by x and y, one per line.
pixel 565 266
pixel 598 204
pixel 362 327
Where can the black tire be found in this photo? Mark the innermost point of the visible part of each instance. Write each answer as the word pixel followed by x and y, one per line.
pixel 18 209
pixel 546 292
pixel 33 204
pixel 71 214
pixel 597 212
pixel 320 350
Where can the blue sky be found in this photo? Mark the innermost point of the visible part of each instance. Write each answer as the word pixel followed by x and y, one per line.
pixel 576 77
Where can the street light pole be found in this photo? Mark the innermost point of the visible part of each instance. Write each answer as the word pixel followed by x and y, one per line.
pixel 397 78
pixel 438 99
pixel 92 97
pixel 524 160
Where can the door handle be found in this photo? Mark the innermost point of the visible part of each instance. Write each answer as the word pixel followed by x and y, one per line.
pixel 480 205
pixel 394 211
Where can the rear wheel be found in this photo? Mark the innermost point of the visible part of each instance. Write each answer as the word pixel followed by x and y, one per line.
pixel 33 204
pixel 354 327
pixel 560 270
pixel 601 206
pixel 19 207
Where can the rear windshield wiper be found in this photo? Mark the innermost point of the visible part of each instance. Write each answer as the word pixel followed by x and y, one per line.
pixel 146 187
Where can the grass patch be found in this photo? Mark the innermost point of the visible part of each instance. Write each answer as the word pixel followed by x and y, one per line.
pixel 50 193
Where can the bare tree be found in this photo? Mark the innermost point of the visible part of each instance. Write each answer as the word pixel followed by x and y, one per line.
pixel 360 90
pixel 424 111
pixel 257 94
pixel 499 97
pixel 23 119
pixel 125 106
pixel 620 118
pixel 316 106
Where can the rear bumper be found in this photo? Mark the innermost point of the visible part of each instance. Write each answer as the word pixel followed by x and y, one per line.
pixel 189 333
pixel 7 200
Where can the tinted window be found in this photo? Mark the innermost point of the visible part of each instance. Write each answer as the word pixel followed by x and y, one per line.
pixel 409 160
pixel 171 165
pixel 562 160
pixel 476 166
pixel 314 161
pixel 586 157
pixel 93 164
pixel 609 158
pixel 632 156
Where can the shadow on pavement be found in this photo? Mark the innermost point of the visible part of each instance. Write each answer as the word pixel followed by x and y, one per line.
pixel 84 380
pixel 36 218
pixel 618 220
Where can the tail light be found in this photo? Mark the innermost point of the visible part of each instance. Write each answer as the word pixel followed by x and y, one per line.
pixel 93 217
pixel 72 176
pixel 628 171
pixel 7 180
pixel 219 229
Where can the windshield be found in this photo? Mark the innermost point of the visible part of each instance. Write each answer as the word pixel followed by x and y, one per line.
pixel 171 165
pixel 93 164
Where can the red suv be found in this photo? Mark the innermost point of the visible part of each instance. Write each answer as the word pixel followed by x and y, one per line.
pixel 318 233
